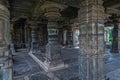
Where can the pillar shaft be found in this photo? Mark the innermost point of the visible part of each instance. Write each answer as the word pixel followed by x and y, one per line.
pixel 75 35
pixel 69 36
pixel 52 32
pixel 34 35
pixel 114 48
pixel 119 37
pixel 53 47
pixel 91 40
pixel 60 36
pixel 34 38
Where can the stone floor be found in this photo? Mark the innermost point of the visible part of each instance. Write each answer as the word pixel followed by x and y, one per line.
pixel 25 68
pixel 112 66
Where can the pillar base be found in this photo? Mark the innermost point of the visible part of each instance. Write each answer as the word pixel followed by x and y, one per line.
pixel 5 64
pixel 46 65
pixel 70 46
pixel 53 53
pixel 34 45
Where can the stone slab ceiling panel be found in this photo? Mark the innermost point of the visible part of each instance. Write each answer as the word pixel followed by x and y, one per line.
pixel 22 7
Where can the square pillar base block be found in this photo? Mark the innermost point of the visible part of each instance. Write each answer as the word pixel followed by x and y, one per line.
pixel 47 66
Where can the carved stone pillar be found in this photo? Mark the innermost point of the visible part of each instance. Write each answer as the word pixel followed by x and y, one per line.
pixel 119 37
pixel 5 61
pixel 34 36
pixel 53 48
pixel 64 37
pixel 91 27
pixel 75 34
pixel 26 35
pixel 69 36
pixel 114 48
pixel 60 35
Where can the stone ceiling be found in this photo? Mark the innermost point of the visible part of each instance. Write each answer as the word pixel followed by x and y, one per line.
pixel 26 8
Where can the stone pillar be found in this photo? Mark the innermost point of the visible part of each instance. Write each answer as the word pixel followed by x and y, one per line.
pixel 75 34
pixel 12 48
pixel 91 27
pixel 34 36
pixel 60 35
pixel 11 31
pixel 5 57
pixel 114 48
pixel 119 37
pixel 26 36
pixel 53 48
pixel 69 36
pixel 65 37
pixel 29 37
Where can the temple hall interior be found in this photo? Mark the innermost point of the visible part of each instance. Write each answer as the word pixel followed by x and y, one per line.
pixel 59 39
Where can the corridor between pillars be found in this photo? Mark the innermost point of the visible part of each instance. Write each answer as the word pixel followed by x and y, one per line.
pixel 5 60
pixel 91 27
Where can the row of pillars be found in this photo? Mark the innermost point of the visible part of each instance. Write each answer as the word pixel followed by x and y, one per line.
pixel 64 36
pixel 91 27
pixel 53 47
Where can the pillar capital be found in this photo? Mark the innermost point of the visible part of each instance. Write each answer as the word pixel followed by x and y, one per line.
pixel 4 2
pixel 52 10
pixel 4 25
pixel 4 12
pixel 91 11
